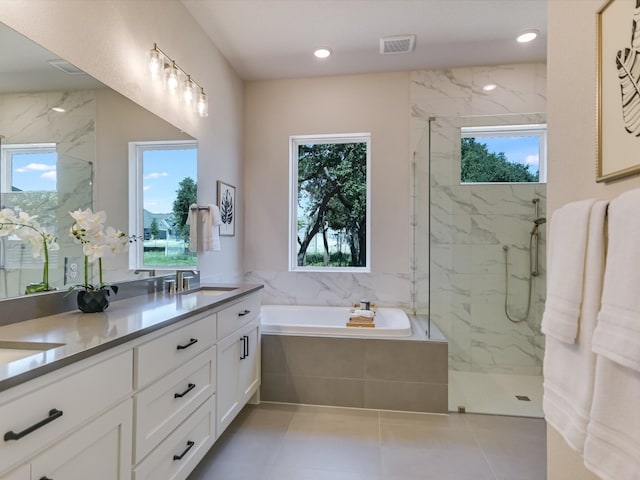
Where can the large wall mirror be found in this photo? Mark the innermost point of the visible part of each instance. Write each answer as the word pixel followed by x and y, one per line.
pixel 64 138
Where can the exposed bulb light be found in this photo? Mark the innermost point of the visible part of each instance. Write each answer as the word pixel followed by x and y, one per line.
pixel 155 62
pixel 528 36
pixel 489 87
pixel 322 52
pixel 202 105
pixel 58 109
pixel 177 81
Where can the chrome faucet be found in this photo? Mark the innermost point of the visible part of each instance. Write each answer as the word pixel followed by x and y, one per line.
pixel 183 282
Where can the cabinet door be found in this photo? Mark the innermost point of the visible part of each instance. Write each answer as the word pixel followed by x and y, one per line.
pixel 100 451
pixel 228 389
pixel 250 364
pixel 21 473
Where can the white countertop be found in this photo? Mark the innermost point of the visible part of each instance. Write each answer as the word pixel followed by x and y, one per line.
pixel 85 334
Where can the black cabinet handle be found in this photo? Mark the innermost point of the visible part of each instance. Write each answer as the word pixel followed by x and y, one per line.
pixel 246 343
pixel 187 345
pixel 190 387
pixel 189 445
pixel 244 312
pixel 53 414
pixel 243 355
pixel 45 478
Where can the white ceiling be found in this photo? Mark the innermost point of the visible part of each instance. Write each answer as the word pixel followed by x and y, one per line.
pixel 266 39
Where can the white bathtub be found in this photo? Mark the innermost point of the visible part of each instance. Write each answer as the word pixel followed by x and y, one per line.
pixel 331 322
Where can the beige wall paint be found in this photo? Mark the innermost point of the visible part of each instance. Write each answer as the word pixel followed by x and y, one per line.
pixel 274 110
pixel 109 39
pixel 571 74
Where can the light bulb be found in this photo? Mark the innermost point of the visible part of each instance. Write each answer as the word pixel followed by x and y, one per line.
pixel 155 62
pixel 171 73
pixel 322 52
pixel 188 90
pixel 202 105
pixel 527 36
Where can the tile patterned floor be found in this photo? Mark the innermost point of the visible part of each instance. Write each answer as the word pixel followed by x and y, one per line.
pixel 287 442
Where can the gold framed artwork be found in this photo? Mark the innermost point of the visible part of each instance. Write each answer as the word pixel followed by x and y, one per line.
pixel 227 206
pixel 618 95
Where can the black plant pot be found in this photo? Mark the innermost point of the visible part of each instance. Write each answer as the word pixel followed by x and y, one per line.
pixel 93 301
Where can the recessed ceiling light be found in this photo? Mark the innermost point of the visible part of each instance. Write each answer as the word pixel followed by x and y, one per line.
pixel 322 52
pixel 58 109
pixel 489 87
pixel 527 36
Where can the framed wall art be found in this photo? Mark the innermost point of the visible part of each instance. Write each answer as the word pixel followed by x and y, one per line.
pixel 618 95
pixel 227 206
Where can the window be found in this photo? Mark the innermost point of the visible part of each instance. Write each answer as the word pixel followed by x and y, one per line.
pixel 330 208
pixel 508 154
pixel 162 185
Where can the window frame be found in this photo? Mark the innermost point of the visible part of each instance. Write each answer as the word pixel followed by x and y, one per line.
pixel 294 142
pixel 136 198
pixel 534 129
pixel 6 157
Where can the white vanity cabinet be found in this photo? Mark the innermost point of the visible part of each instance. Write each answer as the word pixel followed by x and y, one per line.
pixel 176 385
pixel 238 358
pixel 47 424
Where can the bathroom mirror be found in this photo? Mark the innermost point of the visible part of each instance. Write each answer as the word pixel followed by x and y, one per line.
pixel 64 139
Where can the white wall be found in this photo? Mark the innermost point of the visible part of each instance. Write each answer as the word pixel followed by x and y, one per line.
pixel 274 110
pixel 571 70
pixel 109 39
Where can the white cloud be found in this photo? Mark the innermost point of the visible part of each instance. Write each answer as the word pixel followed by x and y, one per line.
pixel 532 160
pixel 146 187
pixel 155 175
pixel 49 176
pixel 150 204
pixel 36 167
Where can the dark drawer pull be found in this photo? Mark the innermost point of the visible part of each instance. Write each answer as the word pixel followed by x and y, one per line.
pixel 189 445
pixel 187 345
pixel 190 387
pixel 45 478
pixel 244 312
pixel 53 414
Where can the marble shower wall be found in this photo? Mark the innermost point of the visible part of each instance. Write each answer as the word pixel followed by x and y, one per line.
pixel 28 118
pixel 470 224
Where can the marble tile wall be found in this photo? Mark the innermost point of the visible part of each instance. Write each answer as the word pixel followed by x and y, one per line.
pixel 28 118
pixel 470 224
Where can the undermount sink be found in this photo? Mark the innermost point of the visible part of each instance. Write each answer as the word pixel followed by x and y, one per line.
pixel 11 351
pixel 214 290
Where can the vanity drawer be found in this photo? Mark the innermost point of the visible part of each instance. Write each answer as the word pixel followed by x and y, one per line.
pixel 179 453
pixel 164 405
pixel 237 315
pixel 47 413
pixel 164 353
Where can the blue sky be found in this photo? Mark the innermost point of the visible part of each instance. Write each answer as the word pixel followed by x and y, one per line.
pixel 518 149
pixel 162 172
pixel 34 171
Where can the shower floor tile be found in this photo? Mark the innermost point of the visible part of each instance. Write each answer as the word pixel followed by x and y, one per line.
pixel 496 394
pixel 300 442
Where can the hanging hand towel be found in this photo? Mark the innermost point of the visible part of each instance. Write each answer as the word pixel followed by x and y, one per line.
pixel 566 259
pixel 569 368
pixel 617 335
pixel 212 221
pixel 192 222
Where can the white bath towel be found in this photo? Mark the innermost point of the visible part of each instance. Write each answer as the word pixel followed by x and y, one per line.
pixel 363 313
pixel 212 221
pixel 617 335
pixel 192 222
pixel 569 368
pixel 612 448
pixel 566 259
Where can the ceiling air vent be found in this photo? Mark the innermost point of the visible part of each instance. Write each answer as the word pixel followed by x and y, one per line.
pixel 397 44
pixel 66 67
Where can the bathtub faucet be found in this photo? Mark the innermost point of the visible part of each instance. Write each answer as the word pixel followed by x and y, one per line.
pixel 365 305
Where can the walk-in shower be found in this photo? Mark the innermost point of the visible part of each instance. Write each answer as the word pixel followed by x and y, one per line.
pixel 534 264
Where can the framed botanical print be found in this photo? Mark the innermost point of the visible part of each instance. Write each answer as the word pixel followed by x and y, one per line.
pixel 227 206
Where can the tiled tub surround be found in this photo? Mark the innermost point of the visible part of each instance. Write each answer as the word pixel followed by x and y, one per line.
pixel 470 224
pixel 391 374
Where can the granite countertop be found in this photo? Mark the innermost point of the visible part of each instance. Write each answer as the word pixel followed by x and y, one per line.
pixel 84 334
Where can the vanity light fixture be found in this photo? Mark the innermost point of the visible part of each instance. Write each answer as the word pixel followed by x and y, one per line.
pixel 527 36
pixel 177 81
pixel 323 52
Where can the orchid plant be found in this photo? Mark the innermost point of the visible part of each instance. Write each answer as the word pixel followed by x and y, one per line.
pixel 25 227
pixel 97 241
